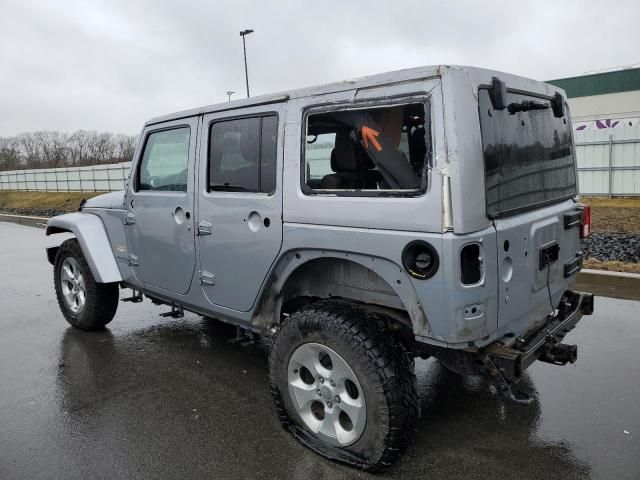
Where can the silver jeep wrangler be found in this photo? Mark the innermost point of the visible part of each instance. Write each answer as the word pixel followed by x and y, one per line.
pixel 355 226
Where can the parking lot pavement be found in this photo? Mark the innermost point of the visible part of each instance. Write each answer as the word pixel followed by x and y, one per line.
pixel 156 398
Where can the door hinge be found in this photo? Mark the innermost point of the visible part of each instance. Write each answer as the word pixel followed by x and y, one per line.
pixel 133 260
pixel 129 218
pixel 204 228
pixel 207 278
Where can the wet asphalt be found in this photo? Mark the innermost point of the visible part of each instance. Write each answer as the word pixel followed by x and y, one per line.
pixel 160 398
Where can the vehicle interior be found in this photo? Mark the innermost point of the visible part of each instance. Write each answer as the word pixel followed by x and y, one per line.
pixel 369 149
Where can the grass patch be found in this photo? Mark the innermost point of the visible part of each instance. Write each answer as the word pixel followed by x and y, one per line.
pixel 616 202
pixel 60 201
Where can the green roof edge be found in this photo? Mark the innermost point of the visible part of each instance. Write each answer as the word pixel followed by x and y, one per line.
pixel 626 80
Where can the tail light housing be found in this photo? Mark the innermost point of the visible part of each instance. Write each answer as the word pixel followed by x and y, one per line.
pixel 585 225
pixel 470 264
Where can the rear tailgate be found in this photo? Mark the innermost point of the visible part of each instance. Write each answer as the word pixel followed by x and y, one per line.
pixel 538 258
pixel 530 184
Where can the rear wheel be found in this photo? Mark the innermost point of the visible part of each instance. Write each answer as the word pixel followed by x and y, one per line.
pixel 85 304
pixel 343 385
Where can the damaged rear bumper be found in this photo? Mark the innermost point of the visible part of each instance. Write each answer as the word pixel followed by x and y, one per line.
pixel 504 361
pixel 512 357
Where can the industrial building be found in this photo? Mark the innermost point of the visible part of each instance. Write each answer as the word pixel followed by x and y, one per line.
pixel 605 110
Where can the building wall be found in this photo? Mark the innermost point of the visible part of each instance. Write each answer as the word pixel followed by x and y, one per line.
pixel 618 106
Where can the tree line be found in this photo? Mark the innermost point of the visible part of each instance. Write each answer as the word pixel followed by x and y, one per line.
pixel 53 149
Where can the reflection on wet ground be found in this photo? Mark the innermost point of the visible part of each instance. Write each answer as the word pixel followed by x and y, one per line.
pixel 151 398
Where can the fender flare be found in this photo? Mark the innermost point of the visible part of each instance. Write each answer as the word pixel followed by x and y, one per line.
pixel 292 260
pixel 93 239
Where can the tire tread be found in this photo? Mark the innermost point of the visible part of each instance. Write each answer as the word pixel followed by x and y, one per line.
pixel 102 298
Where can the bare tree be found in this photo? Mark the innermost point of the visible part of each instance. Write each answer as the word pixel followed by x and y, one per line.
pixel 125 147
pixel 9 153
pixel 52 149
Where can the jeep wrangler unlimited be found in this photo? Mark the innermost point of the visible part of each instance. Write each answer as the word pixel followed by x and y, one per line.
pixel 357 225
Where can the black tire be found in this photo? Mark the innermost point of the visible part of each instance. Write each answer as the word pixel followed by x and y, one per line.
pixel 101 299
pixel 382 366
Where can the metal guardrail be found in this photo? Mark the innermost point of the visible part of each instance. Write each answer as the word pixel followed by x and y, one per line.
pixel 96 178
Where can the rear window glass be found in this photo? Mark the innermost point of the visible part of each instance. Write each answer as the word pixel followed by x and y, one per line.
pixel 528 155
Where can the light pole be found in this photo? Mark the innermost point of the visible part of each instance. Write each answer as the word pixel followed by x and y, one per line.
pixel 229 93
pixel 244 33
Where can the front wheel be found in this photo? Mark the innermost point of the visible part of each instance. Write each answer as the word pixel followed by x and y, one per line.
pixel 85 304
pixel 343 385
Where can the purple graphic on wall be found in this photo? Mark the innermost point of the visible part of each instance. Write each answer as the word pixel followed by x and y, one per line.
pixel 606 123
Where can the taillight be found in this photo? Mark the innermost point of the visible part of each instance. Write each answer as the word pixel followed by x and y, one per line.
pixel 585 225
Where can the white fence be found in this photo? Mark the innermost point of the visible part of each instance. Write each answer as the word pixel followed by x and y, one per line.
pixel 96 178
pixel 609 160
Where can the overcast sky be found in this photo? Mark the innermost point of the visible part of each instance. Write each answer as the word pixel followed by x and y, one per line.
pixel 110 65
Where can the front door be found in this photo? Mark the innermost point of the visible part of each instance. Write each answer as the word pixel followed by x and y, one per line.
pixel 239 202
pixel 159 218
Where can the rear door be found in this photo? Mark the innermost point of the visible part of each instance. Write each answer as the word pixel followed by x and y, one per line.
pixel 239 216
pixel 530 181
pixel 159 221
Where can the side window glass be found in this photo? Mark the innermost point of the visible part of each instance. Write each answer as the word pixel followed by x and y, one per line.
pixel 268 154
pixel 368 150
pixel 242 155
pixel 165 160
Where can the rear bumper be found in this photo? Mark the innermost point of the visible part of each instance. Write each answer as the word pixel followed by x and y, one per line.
pixel 513 356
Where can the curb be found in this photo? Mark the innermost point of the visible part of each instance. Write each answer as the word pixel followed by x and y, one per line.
pixel 622 285
pixel 40 222
pixel 625 286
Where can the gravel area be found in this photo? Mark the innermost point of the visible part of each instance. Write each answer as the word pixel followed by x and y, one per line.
pixel 623 247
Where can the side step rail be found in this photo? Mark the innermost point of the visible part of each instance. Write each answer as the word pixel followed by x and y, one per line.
pixel 135 298
pixel 176 312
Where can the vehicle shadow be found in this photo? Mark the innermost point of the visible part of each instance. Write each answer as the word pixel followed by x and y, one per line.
pixel 182 395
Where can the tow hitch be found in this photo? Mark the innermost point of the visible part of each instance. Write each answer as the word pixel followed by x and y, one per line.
pixel 559 354
pixel 505 363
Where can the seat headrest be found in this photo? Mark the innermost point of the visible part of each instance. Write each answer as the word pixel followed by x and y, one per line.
pixel 348 156
pixel 343 155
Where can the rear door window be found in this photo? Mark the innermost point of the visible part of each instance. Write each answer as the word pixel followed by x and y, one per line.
pixel 242 155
